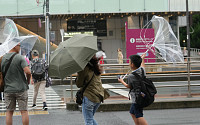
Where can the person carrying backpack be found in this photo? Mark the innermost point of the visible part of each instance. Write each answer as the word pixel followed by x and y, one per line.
pixel 136 63
pixel 38 68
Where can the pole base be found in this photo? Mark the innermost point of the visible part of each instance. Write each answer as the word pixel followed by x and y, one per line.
pixel 189 96
pixel 71 100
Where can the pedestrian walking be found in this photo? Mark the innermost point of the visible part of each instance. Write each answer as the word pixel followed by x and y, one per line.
pixel 101 55
pixel 16 79
pixel 94 94
pixel 136 63
pixel 185 52
pixel 120 56
pixel 38 68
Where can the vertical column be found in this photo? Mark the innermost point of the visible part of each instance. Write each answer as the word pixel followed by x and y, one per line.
pixel 47 32
pixel 188 48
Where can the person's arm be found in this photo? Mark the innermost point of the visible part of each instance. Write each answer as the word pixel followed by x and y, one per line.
pixel 122 81
pixel 32 82
pixel 81 77
pixel 25 67
pixel 28 73
pixel 143 63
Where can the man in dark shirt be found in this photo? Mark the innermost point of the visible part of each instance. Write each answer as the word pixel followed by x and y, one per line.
pixel 16 85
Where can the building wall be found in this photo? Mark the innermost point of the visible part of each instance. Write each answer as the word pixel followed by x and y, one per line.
pixel 32 25
pixel 114 40
pixel 182 21
pixel 133 22
pixel 180 5
pixel 109 43
pixel 58 7
pixel 115 31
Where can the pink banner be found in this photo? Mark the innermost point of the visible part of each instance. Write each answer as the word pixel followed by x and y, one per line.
pixel 135 44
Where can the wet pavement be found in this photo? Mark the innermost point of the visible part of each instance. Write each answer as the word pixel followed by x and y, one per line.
pixel 184 116
pixel 154 117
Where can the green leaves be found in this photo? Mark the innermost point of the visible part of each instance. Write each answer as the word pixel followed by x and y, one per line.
pixel 195 36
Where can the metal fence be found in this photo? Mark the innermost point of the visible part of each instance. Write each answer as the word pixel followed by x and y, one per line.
pixel 154 70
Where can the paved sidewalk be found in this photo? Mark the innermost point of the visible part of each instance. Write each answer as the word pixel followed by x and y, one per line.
pixel 118 104
pixel 187 116
pixel 170 110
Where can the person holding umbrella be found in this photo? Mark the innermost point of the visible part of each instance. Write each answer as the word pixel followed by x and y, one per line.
pixel 94 94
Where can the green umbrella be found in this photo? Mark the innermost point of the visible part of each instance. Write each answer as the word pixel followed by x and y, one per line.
pixel 72 55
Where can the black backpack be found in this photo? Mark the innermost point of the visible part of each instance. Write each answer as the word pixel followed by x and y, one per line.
pixel 38 68
pixel 144 91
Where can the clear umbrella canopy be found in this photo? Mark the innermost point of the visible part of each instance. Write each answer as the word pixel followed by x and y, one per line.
pixel 165 44
pixel 9 38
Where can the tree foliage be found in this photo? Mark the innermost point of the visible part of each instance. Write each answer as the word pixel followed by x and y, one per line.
pixel 195 33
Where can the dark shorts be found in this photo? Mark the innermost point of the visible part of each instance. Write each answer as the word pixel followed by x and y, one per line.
pixel 135 110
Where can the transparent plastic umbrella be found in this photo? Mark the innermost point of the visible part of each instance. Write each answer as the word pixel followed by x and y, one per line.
pixel 9 38
pixel 165 45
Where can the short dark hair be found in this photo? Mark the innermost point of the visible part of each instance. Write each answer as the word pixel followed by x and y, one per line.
pixel 136 60
pixel 35 53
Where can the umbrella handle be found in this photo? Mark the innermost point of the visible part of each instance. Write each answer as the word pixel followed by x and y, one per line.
pixel 126 74
pixel 147 50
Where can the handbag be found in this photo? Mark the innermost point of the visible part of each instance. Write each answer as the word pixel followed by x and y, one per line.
pixel 79 93
pixel 2 75
pixel 79 97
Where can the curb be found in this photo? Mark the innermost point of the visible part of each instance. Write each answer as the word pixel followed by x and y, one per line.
pixel 126 106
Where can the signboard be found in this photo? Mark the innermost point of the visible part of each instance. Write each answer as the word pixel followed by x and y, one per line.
pixel 135 44
pixel 52 36
pixel 99 27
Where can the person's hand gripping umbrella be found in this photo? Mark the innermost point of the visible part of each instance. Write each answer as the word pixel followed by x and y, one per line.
pixel 123 77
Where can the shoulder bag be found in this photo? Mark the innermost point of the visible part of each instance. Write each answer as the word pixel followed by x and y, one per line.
pixel 3 74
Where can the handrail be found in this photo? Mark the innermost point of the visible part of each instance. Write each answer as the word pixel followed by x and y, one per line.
pixel 155 63
pixel 161 86
pixel 151 75
pixel 156 71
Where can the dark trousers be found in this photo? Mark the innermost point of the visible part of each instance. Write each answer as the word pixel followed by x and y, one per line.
pixel 0 96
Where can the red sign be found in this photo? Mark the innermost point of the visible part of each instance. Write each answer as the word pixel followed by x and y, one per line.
pixel 137 42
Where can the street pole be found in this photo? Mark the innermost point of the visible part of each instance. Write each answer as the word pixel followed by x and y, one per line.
pixel 71 84
pixel 62 34
pixel 47 32
pixel 188 48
